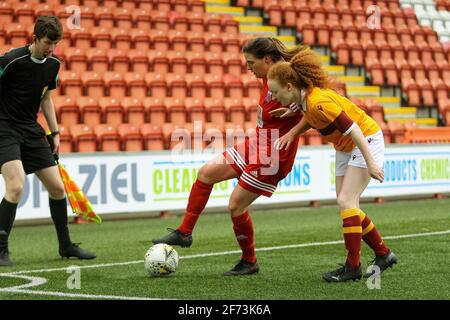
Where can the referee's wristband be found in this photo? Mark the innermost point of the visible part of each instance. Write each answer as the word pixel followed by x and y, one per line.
pixel 54 133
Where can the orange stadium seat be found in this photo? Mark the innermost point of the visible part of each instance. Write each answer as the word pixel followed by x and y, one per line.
pixel 160 40
pixel 139 61
pixel 178 41
pixel 123 17
pixel 91 112
pixel 44 9
pixel 178 21
pixel 104 17
pixel 153 136
pixel 82 38
pixel 24 13
pixel 84 138
pixel 216 110
pixel 195 109
pixel 229 25
pixel 231 43
pixel 427 93
pixel 142 18
pixel 115 84
pixel 275 13
pixel 6 13
pixel 197 86
pixel 111 3
pixel 197 63
pixel 112 110
pixel 214 42
pixel 98 60
pixel 119 60
pixel 252 85
pixel 177 85
pixel 131 137
pixel 397 130
pixel 234 86
pixel 213 23
pixel 77 59
pixel 156 110
pixel 197 6
pixel 108 138
pixel 216 86
pixel 181 6
pixel 141 39
pixel 70 83
pixel 197 42
pixel 178 62
pixel 413 93
pixel 137 86
pixel 236 110
pixel 67 110
pixel 94 84
pixel 233 63
pixel 391 73
pixel 121 38
pixel 214 62
pixel 160 21
pixel 65 141
pixel 157 84
pixel 162 5
pixel 18 34
pixel 101 37
pixel 176 110
pixel 134 110
pixel 196 21
pixel 159 61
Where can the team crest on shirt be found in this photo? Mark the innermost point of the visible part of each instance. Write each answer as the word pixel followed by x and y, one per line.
pixel 254 173
pixel 269 96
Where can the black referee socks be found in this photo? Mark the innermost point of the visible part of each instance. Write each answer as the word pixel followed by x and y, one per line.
pixel 7 215
pixel 58 211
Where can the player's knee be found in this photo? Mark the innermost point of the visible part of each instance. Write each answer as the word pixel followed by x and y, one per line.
pixel 205 175
pixel 233 207
pixel 57 191
pixel 14 192
pixel 345 201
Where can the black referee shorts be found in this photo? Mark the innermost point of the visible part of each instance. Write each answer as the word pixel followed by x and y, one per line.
pixel 26 143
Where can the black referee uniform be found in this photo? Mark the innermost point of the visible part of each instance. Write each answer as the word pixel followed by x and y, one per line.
pixel 23 82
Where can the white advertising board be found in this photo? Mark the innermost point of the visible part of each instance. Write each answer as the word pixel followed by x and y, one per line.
pixel 143 182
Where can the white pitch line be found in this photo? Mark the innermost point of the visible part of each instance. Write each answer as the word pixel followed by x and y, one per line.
pixel 37 281
pixel 203 255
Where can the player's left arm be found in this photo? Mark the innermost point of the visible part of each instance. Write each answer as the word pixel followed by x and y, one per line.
pixel 360 141
pixel 48 108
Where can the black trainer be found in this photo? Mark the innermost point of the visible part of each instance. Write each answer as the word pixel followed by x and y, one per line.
pixel 243 268
pixel 175 238
pixel 382 262
pixel 5 261
pixel 74 250
pixel 343 273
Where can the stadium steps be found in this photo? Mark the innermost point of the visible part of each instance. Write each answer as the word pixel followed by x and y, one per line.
pixel 420 122
pixel 386 102
pixel 400 113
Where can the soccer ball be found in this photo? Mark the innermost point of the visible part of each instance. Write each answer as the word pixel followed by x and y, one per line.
pixel 161 260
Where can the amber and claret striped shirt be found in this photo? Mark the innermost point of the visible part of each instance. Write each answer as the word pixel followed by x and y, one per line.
pixel 334 115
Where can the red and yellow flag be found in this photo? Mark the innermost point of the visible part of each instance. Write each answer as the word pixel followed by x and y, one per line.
pixel 80 204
